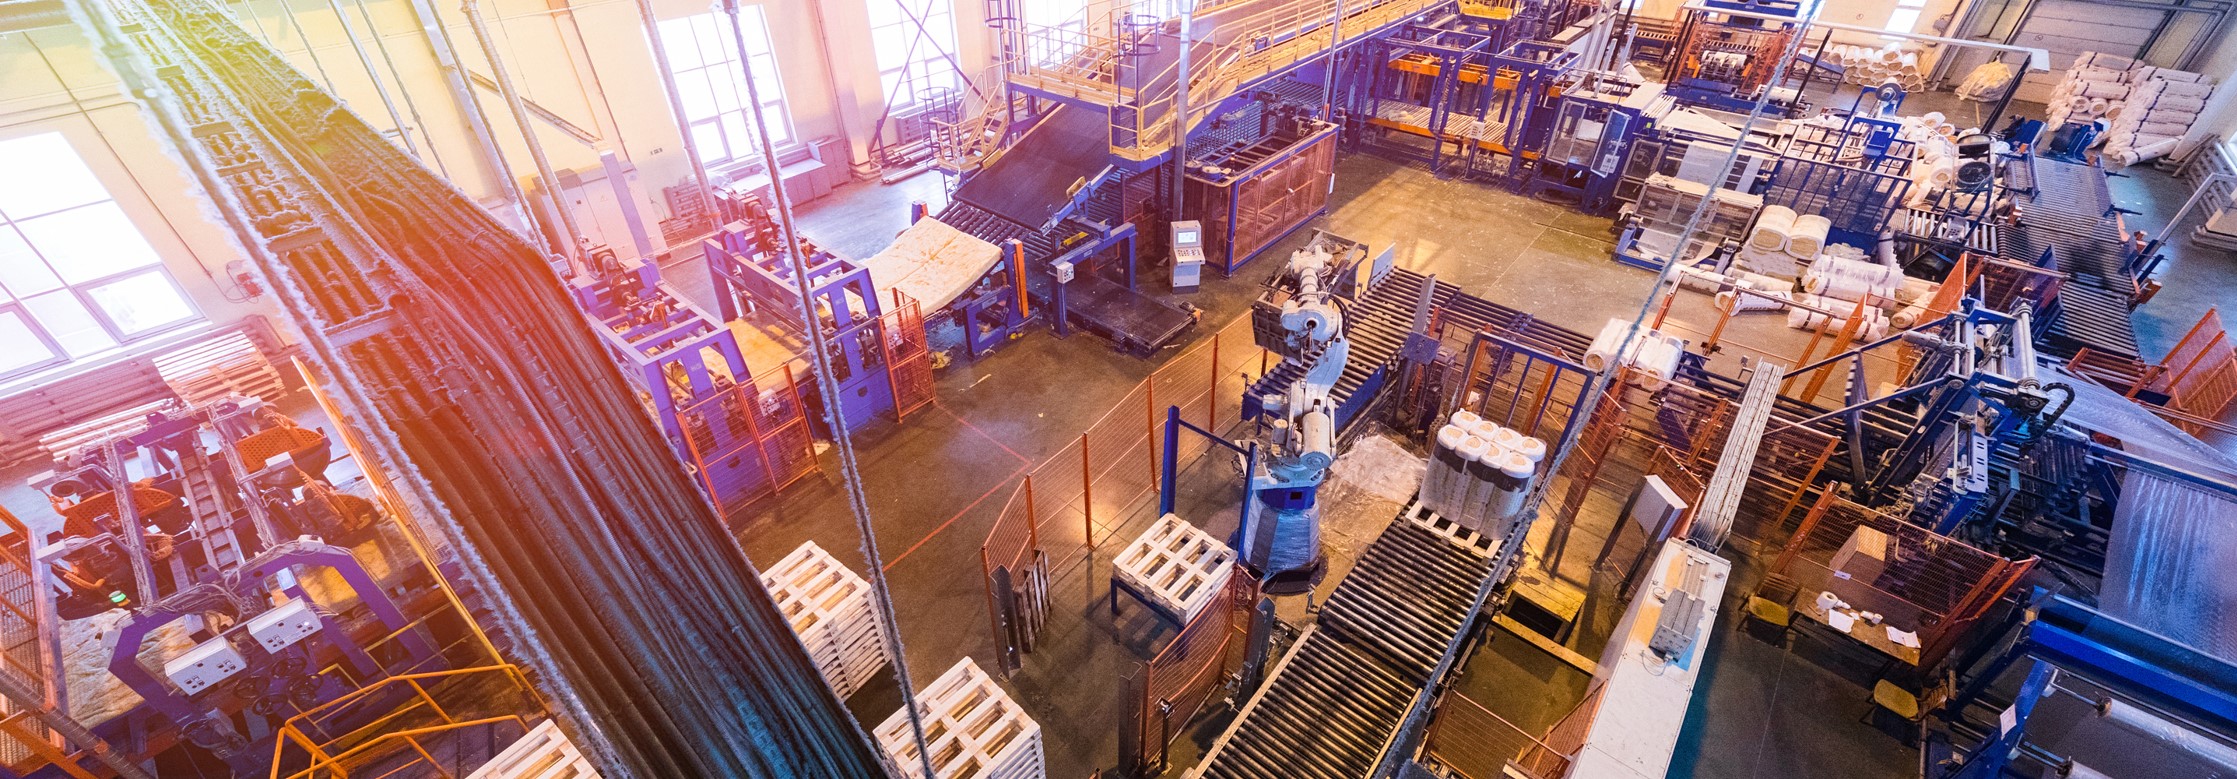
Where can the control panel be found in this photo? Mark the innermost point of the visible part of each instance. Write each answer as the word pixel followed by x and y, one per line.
pixel 1188 255
pixel 205 665
pixel 284 625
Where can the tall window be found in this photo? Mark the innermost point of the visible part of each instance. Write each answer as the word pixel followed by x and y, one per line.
pixel 913 61
pixel 1056 29
pixel 704 56
pixel 1905 18
pixel 76 277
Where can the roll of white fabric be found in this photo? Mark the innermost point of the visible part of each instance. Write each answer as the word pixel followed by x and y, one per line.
pixel 1511 489
pixel 2171 116
pixel 1774 300
pixel 2150 73
pixel 2178 103
pixel 1808 237
pixel 2105 61
pixel 2103 89
pixel 1463 488
pixel 2150 148
pixel 1908 317
pixel 1772 226
pixel 2096 106
pixel 1764 283
pixel 1915 289
pixel 2162 128
pixel 2198 91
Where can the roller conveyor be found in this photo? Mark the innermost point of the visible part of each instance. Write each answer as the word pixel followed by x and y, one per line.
pixel 1336 700
pixel 1381 319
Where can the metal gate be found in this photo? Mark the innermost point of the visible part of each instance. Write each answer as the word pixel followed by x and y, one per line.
pixel 908 360
pixel 748 441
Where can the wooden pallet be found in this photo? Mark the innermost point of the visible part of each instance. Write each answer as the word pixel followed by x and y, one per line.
pixel 974 729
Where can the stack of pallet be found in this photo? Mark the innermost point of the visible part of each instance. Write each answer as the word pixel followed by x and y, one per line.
pixel 1175 566
pixel 226 365
pixel 974 729
pixel 829 606
pixel 2160 109
pixel 543 753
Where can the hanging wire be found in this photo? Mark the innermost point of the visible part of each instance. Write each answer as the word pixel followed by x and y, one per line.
pixel 850 472
pixel 297 24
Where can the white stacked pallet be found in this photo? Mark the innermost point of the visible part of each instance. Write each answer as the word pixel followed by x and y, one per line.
pixel 1476 543
pixel 974 729
pixel 1176 566
pixel 542 753
pixel 829 607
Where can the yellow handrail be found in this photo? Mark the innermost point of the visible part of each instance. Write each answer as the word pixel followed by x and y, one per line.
pixel 296 730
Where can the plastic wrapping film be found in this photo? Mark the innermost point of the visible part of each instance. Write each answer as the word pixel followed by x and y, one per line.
pixel 2173 543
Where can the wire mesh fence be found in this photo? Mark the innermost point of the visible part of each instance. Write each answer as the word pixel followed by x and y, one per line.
pixel 1182 677
pixel 748 441
pixel 1072 503
pixel 1472 741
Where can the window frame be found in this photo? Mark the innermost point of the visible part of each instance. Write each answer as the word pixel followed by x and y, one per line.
pixel 18 304
pixel 911 33
pixel 736 152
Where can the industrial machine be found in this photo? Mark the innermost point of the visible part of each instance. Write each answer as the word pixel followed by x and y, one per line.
pixel 2100 697
pixel 1728 50
pixel 1301 318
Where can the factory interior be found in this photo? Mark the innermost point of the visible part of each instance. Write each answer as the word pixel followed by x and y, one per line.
pixel 1118 389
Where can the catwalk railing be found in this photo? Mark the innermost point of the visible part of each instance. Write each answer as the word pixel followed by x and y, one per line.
pixel 1062 509
pixel 445 723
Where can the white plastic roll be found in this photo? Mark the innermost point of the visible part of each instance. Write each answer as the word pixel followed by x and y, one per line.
pixel 1445 464
pixel 1510 489
pixel 2164 129
pixel 1747 304
pixel 2192 105
pixel 1532 449
pixel 1475 507
pixel 2103 89
pixel 1463 487
pixel 1507 437
pixel 1908 317
pixel 1764 283
pixel 1809 235
pixel 1772 225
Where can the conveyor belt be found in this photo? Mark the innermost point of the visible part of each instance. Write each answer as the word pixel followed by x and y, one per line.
pixel 1378 325
pixel 2088 316
pixel 1338 697
pixel 1034 177
pixel 2068 189
pixel 1136 322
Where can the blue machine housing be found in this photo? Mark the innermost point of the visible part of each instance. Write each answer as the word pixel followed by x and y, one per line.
pixel 750 276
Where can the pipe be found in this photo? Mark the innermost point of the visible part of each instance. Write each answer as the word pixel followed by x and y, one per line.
pixel 2175 735
pixel 569 237
pixel 1180 113
pixel 676 106
pixel 373 74
pixel 850 472
pixel 470 105
pixel 410 106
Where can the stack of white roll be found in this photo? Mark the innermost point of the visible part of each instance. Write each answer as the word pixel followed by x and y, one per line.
pixel 2160 109
pixel 1480 473
pixel 1653 354
pixel 1868 66
pixel 2094 87
pixel 1853 280
pixel 1808 238
pixel 1874 328
pixel 1764 251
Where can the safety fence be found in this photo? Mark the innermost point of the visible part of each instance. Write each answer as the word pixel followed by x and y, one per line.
pixel 1644 426
pixel 1473 742
pixel 1933 585
pixel 26 652
pixel 749 440
pixel 908 358
pixel 1173 687
pixel 1061 510
pixel 2191 388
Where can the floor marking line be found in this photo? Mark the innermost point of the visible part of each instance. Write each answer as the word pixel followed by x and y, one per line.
pixel 951 520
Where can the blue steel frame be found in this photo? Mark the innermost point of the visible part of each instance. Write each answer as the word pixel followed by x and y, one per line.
pixel 655 333
pixel 846 301
pixel 1591 178
pixel 1234 183
pixel 2135 663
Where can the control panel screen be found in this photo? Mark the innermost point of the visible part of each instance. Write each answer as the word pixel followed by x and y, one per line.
pixel 1185 237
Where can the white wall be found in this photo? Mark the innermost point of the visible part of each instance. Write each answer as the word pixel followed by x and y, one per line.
pixel 589 61
pixel 120 144
pixel 2220 62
